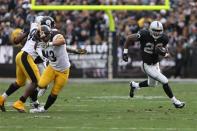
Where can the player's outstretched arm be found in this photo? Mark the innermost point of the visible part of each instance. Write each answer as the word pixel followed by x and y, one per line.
pixel 57 40
pixel 76 51
pixel 129 40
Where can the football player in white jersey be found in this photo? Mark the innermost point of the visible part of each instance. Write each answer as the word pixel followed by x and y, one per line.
pixel 57 70
pixel 29 47
pixel 25 69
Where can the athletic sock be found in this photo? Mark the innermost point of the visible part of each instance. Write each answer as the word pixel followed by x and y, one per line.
pixel 23 99
pixel 12 88
pixel 34 95
pixel 143 84
pixel 174 100
pixel 4 95
pixel 51 99
pixel 168 90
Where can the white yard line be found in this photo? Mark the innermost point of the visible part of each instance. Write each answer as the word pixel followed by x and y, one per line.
pixel 98 98
pixel 127 97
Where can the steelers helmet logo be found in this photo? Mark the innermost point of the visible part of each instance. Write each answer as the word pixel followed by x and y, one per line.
pixel 48 22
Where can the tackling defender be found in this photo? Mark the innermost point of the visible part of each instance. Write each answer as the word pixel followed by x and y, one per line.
pixel 153 44
pixel 28 38
pixel 57 70
pixel 40 20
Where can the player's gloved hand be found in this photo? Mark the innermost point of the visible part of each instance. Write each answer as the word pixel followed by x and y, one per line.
pixel 125 55
pixel 81 51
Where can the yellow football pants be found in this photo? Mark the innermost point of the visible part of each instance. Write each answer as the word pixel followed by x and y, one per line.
pixel 26 69
pixel 59 78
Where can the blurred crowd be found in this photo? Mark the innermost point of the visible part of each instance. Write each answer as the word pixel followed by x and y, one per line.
pixel 100 2
pixel 91 27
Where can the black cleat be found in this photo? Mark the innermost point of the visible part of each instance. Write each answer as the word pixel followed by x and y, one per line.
pixel 131 93
pixel 181 105
pixel 3 108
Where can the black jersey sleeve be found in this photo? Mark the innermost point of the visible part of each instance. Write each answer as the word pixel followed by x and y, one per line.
pixel 165 40
pixel 142 34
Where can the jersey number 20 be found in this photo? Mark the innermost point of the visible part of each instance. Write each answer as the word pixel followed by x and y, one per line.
pixel 149 48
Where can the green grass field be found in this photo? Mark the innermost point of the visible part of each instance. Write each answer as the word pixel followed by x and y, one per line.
pixel 107 107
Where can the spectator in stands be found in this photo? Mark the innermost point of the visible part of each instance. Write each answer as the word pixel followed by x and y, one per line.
pixel 90 27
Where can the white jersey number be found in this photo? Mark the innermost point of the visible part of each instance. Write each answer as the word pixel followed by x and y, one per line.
pixel 149 48
pixel 49 54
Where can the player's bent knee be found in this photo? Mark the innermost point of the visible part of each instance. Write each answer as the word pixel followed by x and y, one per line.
pixel 54 92
pixel 54 95
pixel 19 83
pixel 164 81
pixel 41 85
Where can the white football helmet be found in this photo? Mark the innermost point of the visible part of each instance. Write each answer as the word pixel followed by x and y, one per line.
pixel 156 29
pixel 38 19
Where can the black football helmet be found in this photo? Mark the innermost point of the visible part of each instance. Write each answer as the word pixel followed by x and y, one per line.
pixel 45 33
pixel 49 21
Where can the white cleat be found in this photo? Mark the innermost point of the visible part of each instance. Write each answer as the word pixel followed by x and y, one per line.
pixel 179 104
pixel 133 88
pixel 38 110
pixel 34 104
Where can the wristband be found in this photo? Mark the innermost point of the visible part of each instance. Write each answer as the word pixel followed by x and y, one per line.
pixel 125 51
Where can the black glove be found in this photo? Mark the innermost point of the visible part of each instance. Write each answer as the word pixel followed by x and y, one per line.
pixel 125 57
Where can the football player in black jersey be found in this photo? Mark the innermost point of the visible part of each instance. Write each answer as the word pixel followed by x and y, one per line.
pixel 150 42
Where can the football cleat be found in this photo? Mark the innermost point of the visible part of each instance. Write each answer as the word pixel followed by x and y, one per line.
pixel 2 107
pixel 132 88
pixel 38 110
pixel 179 104
pixel 19 106
pixel 34 104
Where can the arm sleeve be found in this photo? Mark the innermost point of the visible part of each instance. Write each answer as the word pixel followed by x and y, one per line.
pixel 166 40
pixel 141 35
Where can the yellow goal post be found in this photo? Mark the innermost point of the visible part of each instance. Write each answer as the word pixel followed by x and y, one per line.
pixel 106 8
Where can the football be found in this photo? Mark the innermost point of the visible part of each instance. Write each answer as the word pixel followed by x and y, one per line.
pixel 15 33
pixel 160 50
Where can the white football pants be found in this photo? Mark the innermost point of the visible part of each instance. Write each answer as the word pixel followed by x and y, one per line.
pixel 154 74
